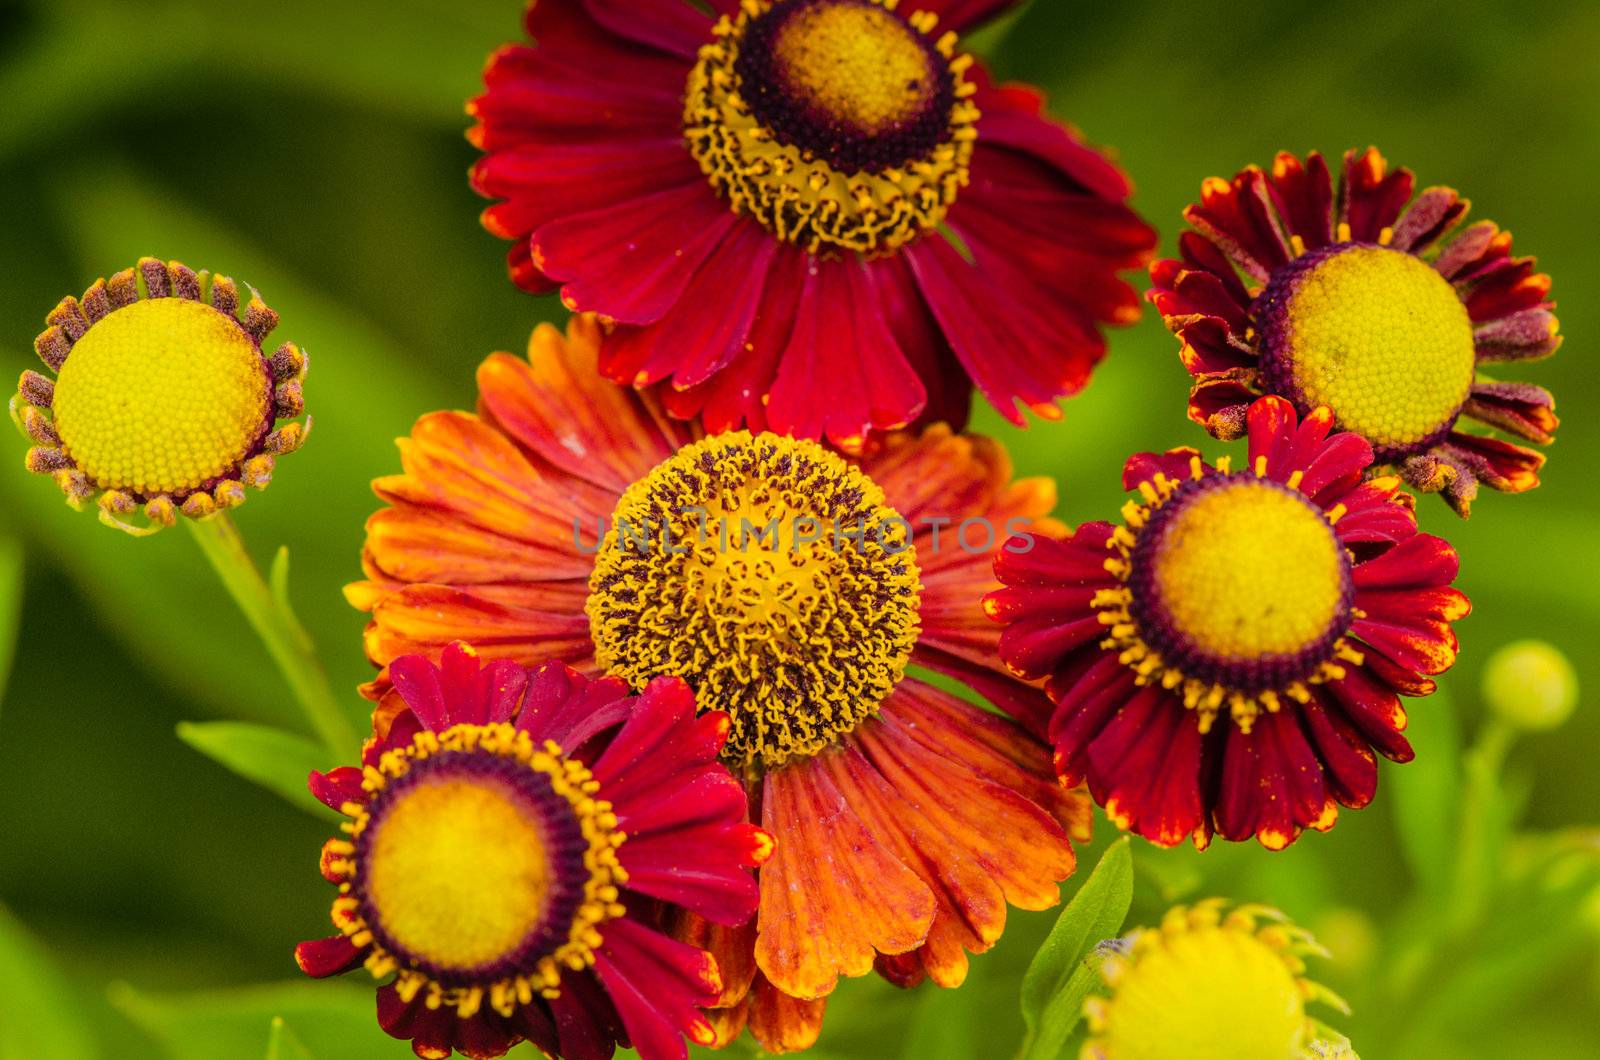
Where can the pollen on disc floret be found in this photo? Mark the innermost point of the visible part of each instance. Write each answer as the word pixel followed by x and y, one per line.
pixel 773 576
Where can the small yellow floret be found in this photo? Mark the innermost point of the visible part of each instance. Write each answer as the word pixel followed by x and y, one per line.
pixel 1383 340
pixel 1213 993
pixel 856 62
pixel 458 869
pixel 1249 570
pixel 161 396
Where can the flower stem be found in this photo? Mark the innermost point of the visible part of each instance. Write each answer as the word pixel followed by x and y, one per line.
pixel 275 623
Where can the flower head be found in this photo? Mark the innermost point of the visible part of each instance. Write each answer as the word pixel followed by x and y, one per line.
pixel 1229 657
pixel 1368 306
pixel 163 399
pixel 793 589
pixel 509 830
pixel 1212 982
pixel 816 217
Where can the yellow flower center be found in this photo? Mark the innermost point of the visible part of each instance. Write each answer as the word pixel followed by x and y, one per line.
pixel 857 63
pixel 1379 337
pixel 1213 993
pixel 459 868
pixel 481 867
pixel 838 124
pixel 772 576
pixel 162 396
pixel 1248 570
pixel 1234 591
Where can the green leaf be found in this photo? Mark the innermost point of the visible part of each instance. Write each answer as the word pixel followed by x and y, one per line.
pixel 278 578
pixel 1058 979
pixel 277 760
pixel 53 1028
pixel 1426 795
pixel 333 1018
pixel 283 1045
pixel 10 605
pixel 944 1026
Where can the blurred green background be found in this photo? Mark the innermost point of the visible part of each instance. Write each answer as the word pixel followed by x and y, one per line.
pixel 315 150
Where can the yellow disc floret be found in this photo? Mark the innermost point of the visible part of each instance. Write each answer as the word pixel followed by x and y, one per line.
pixel 855 62
pixel 1207 985
pixel 459 869
pixel 1383 340
pixel 459 877
pixel 162 396
pixel 1234 591
pixel 840 125
pixel 1249 570
pixel 771 575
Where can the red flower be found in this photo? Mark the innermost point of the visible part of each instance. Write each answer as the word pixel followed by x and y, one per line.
pixel 513 835
pixel 1360 302
pixel 816 217
pixel 573 519
pixel 1231 656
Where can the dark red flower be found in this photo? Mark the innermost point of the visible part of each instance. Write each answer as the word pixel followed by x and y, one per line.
pixel 515 835
pixel 815 217
pixel 1360 302
pixel 1230 657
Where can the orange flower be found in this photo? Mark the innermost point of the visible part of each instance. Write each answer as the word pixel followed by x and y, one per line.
pixel 792 588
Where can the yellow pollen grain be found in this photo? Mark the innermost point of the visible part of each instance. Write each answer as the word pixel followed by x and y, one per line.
pixel 161 396
pixel 772 576
pixel 1249 570
pixel 856 62
pixel 1382 339
pixel 457 872
pixel 1208 994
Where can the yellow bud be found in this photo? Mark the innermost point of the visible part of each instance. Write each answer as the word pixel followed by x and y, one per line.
pixel 1531 685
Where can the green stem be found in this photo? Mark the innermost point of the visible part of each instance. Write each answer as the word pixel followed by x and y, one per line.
pixel 286 639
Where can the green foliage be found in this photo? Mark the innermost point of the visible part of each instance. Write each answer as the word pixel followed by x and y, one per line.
pixel 39 1017
pixel 327 1019
pixel 1063 973
pixel 277 760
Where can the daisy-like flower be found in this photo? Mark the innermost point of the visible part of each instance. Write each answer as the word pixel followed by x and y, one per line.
pixel 513 835
pixel 816 217
pixel 162 398
pixel 1364 304
pixel 1212 982
pixel 1229 657
pixel 574 519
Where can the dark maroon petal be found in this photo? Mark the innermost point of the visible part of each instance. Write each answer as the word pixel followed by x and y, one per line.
pixel 1496 463
pixel 1370 195
pixel 1519 408
pixel 1304 197
pixel 632 262
pixel 1200 253
pixel 419 684
pixel 321 958
pixel 708 326
pixel 1176 464
pixel 1238 216
pixel 337 786
pixel 673 26
pixel 1526 335
pixel 657 985
pixel 842 375
pixel 1374 708
pixel 917 333
pixel 1144 768
pixel 1351 767
pixel 1428 218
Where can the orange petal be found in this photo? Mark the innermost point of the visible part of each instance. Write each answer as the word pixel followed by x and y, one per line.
pixel 990 747
pixel 530 625
pixel 557 404
pixel 784 1024
pixel 831 897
